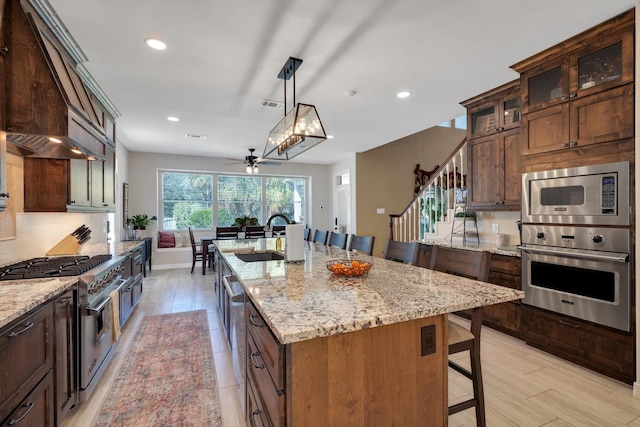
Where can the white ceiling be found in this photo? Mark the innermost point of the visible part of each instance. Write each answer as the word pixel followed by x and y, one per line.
pixel 223 58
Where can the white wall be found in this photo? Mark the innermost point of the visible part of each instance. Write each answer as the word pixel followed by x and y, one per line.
pixel 348 164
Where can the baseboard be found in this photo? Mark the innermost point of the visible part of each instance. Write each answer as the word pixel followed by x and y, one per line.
pixel 636 390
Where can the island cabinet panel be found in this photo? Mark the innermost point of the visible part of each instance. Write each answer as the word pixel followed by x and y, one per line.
pixel 65 373
pixel 26 352
pixel 374 376
pixel 602 349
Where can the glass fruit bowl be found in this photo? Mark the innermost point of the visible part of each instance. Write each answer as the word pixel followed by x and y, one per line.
pixel 348 267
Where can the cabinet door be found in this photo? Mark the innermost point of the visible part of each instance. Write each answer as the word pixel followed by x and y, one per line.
pixel 602 117
pixel 545 130
pixel 545 85
pixel 3 170
pixel 46 185
pixel 485 181
pixel 97 183
pixel 109 178
pixel 64 352
pixel 511 170
pixel 80 182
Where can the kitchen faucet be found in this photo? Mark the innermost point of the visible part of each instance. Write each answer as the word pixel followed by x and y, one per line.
pixel 283 216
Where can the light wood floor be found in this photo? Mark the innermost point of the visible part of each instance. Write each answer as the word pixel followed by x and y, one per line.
pixel 523 386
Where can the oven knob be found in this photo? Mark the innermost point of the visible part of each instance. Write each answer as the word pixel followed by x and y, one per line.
pixel 598 238
pixel 540 235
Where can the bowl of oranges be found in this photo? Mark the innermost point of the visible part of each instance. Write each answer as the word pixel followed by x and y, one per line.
pixel 348 267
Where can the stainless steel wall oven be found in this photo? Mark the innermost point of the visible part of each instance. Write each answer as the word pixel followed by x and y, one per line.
pixel 582 272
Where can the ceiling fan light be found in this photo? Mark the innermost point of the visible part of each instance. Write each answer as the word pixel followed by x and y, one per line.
pixel 255 169
pixel 249 170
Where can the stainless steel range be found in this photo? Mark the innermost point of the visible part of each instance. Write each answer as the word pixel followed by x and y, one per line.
pixel 98 276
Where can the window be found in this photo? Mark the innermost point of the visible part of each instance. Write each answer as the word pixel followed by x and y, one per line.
pixel 186 200
pixel 286 196
pixel 238 196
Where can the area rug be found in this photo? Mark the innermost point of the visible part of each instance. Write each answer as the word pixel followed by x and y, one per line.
pixel 167 377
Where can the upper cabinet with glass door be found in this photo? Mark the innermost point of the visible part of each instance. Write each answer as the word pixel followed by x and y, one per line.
pixel 596 60
pixel 493 111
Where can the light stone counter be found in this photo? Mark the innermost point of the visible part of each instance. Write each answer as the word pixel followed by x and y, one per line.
pixel 305 301
pixel 18 297
pixel 473 246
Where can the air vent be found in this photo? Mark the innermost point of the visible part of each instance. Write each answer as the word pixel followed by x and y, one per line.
pixel 271 103
pixel 195 136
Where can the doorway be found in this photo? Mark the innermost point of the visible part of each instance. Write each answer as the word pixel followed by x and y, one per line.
pixel 342 202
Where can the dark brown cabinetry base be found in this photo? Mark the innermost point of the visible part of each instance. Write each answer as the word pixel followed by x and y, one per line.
pixel 604 350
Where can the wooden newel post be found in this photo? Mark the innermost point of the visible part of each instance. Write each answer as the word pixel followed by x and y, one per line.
pixel 391 217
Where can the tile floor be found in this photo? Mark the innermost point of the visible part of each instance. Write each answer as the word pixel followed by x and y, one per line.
pixel 523 386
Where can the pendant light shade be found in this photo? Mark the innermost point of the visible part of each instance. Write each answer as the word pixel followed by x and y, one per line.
pixel 300 129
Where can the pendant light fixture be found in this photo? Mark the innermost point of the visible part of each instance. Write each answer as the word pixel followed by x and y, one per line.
pixel 300 129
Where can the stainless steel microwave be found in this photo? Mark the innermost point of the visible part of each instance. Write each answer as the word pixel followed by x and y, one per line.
pixel 594 195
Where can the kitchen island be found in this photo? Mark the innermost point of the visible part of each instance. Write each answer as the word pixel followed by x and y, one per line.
pixel 356 351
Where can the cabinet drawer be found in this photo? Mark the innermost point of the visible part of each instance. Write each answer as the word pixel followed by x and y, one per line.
pixel 36 409
pixel 272 399
pixel 255 412
pixel 26 352
pixel 272 352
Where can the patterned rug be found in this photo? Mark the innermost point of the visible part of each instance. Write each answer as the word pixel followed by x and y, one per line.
pixel 167 377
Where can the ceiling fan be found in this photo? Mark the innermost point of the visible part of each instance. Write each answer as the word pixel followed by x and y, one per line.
pixel 252 162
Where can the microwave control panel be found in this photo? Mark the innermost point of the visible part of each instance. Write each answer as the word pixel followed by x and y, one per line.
pixel 608 194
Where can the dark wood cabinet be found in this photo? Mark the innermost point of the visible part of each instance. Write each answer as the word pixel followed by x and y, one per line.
pixel 75 185
pixel 493 131
pixel 65 371
pixel 506 317
pixel 46 185
pixel 580 92
pixel 601 349
pixel 26 371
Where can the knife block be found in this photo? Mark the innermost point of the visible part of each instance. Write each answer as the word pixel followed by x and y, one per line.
pixel 67 246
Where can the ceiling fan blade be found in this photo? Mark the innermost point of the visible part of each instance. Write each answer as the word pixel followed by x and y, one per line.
pixel 268 163
pixel 236 163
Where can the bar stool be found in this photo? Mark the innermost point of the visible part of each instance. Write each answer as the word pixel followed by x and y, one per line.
pixel 474 265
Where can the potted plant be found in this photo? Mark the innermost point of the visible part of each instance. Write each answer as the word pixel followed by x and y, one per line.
pixel 141 221
pixel 244 221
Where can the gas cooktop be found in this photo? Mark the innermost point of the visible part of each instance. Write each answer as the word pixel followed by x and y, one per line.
pixel 36 268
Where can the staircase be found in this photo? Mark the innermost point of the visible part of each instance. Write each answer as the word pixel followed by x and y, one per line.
pixel 429 215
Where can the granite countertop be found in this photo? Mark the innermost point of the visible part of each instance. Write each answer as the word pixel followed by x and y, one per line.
pixel 306 301
pixel 18 297
pixel 474 246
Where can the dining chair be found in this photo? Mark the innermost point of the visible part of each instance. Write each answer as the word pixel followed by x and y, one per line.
pixel 321 236
pixel 279 229
pixel 196 250
pixel 362 244
pixel 223 233
pixel 253 231
pixel 338 240
pixel 473 264
pixel 401 251
pixel 307 234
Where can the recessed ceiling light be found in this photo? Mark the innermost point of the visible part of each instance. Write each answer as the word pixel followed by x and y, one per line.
pixel 56 140
pixel 403 94
pixel 155 44
pixel 193 135
pixel 329 136
pixel 173 119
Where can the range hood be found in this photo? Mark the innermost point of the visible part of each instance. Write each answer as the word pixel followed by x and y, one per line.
pixel 47 100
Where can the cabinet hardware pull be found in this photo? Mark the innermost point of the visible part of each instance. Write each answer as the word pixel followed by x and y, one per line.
pixel 64 300
pixel 27 326
pixel 253 414
pixel 4 195
pixel 253 322
pixel 29 407
pixel 572 325
pixel 253 361
pixel 573 95
pixel 563 97
pixel 573 143
pixel 564 145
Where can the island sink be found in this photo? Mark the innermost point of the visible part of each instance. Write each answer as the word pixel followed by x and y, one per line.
pixel 260 256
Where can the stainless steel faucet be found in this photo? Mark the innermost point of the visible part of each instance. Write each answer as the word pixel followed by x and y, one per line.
pixel 283 216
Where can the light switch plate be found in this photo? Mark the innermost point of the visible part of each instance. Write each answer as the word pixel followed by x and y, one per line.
pixel 380 211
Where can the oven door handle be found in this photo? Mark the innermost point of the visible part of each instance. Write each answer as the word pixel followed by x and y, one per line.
pixel 232 297
pixel 100 306
pixel 591 255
